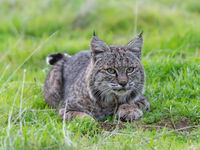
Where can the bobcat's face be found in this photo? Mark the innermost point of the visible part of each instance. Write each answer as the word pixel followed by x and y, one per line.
pixel 117 69
pixel 119 72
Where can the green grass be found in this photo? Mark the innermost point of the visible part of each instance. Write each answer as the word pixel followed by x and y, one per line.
pixel 30 30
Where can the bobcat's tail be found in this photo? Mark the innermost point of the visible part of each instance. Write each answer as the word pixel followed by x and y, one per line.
pixel 55 57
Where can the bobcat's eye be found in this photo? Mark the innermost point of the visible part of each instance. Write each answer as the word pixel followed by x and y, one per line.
pixel 111 71
pixel 130 70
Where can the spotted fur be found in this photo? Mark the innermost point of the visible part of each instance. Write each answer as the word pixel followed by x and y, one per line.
pixel 87 84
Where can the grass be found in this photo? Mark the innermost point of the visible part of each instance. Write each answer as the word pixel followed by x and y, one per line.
pixel 30 30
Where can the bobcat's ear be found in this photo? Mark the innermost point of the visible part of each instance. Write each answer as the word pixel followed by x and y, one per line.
pixel 98 46
pixel 135 45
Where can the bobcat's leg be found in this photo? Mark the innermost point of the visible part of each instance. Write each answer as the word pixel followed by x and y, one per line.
pixel 133 109
pixel 53 88
pixel 68 116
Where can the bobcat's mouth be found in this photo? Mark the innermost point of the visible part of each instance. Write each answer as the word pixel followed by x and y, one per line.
pixel 120 88
pixel 121 91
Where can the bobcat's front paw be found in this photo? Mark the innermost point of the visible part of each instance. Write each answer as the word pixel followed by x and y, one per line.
pixel 128 113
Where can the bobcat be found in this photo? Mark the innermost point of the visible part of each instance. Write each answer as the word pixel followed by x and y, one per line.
pixel 99 82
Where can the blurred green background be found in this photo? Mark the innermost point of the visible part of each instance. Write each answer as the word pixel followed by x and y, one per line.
pixel 169 26
pixel 32 29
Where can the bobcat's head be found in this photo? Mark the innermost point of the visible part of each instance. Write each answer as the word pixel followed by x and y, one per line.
pixel 116 70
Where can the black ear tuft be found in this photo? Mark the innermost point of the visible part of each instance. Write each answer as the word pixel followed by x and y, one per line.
pixel 141 33
pixel 94 34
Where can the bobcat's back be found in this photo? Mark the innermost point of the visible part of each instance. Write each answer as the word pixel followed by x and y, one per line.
pixel 64 73
pixel 74 68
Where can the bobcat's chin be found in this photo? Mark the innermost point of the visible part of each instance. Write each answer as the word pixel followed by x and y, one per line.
pixel 122 92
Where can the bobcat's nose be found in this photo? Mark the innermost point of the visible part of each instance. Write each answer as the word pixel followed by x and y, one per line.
pixel 122 83
pixel 122 80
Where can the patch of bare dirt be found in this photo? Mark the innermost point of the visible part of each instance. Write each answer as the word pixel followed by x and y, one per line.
pixel 111 126
pixel 178 125
pixel 170 124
